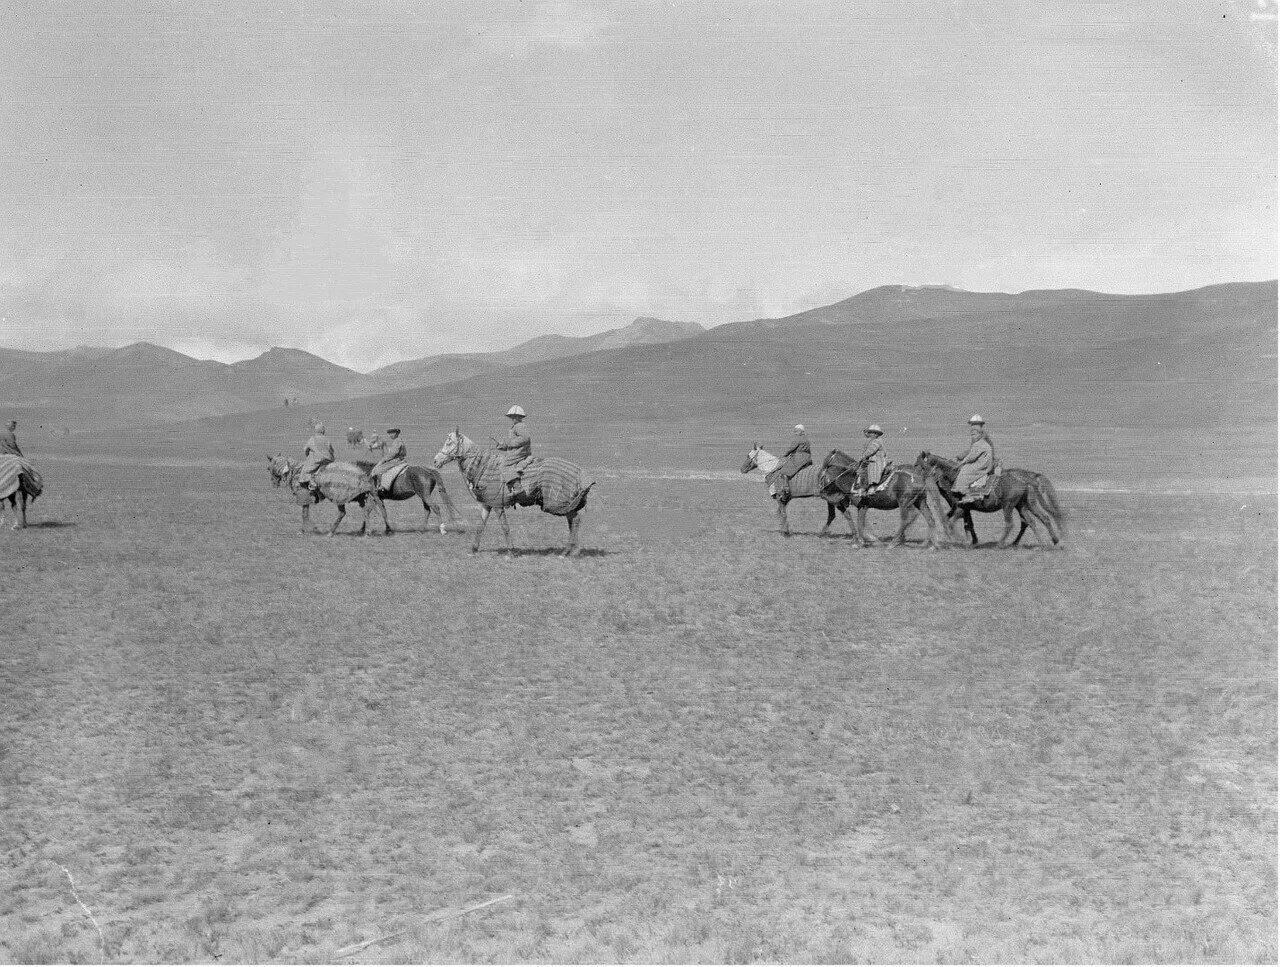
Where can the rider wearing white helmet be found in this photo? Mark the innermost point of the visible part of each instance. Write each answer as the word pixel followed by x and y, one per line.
pixel 976 463
pixel 517 447
pixel 871 465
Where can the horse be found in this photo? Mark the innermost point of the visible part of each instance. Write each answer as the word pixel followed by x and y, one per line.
pixel 907 489
pixel 557 487
pixel 417 482
pixel 20 482
pixel 1029 493
pixel 811 481
pixel 364 491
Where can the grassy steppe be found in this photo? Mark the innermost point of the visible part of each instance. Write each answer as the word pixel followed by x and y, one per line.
pixel 700 742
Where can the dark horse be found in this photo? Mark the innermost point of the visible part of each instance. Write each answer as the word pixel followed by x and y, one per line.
pixel 1025 491
pixel 906 489
pixel 811 481
pixel 284 472
pixel 418 482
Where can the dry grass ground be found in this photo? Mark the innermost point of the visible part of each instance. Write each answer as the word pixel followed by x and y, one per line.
pixel 700 742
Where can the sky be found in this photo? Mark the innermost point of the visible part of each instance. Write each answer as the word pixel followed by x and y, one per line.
pixel 377 181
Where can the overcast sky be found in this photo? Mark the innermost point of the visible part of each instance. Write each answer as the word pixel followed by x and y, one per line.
pixel 374 181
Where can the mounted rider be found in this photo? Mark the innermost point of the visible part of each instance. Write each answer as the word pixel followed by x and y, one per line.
pixel 794 460
pixel 874 460
pixel 517 449
pixel 976 465
pixel 317 453
pixel 395 457
pixel 9 440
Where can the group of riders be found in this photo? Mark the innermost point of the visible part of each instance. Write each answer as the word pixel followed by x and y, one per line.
pixel 977 464
pixel 393 454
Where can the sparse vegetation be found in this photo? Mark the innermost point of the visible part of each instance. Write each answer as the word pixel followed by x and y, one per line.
pixel 249 745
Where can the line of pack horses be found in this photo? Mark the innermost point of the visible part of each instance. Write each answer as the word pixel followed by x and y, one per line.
pixel 482 468
pixel 922 489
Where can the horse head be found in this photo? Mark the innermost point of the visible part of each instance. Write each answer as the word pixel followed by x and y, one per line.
pixel 750 463
pixel 452 449
pixel 281 469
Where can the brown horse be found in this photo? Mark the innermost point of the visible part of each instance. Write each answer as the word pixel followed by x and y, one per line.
pixel 1028 493
pixel 23 483
pixel 906 489
pixel 341 491
pixel 556 487
pixel 418 482
pixel 811 481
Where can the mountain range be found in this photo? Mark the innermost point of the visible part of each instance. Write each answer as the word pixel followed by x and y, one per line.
pixel 1180 383
pixel 143 383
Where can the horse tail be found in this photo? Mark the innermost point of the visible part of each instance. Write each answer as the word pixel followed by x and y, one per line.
pixel 1049 497
pixel 437 483
pixel 579 499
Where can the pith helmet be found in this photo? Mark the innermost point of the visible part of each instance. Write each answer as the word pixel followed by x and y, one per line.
pixel 516 411
pixel 874 428
pixel 799 427
pixel 976 420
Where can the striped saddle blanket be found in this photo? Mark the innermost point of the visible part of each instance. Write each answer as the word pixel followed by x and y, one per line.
pixel 18 472
pixel 342 482
pixel 808 482
pixel 553 484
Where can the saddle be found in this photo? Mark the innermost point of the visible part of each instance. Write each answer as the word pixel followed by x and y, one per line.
pixel 879 485
pixel 388 478
pixel 514 478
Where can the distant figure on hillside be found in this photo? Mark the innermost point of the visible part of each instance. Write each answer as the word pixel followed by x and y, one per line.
pixel 9 439
pixel 394 453
pixel 874 460
pixel 517 449
pixel 794 460
pixel 317 453
pixel 976 464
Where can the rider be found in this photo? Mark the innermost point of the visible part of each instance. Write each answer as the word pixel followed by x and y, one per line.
pixel 872 464
pixel 394 453
pixel 317 453
pixel 794 460
pixel 517 448
pixel 9 440
pixel 975 465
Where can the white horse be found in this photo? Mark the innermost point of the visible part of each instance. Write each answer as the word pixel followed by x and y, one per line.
pixel 556 487
pixel 811 481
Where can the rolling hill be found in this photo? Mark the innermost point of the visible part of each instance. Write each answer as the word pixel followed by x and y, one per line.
pixel 1182 384
pixel 146 384
pixel 1083 384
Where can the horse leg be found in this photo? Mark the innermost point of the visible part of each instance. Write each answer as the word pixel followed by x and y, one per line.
pixel 342 512
pixel 907 514
pixel 306 518
pixel 1008 526
pixel 862 527
pixel 381 507
pixel 968 526
pixel 506 527
pixel 930 521
pixel 1034 514
pixel 485 511
pixel 848 518
pixel 782 516
pixel 21 507
pixel 831 515
pixel 575 521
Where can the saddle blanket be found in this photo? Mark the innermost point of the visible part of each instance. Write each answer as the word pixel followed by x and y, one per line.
pixel 342 482
pixel 809 481
pixel 983 486
pixel 389 477
pixel 13 471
